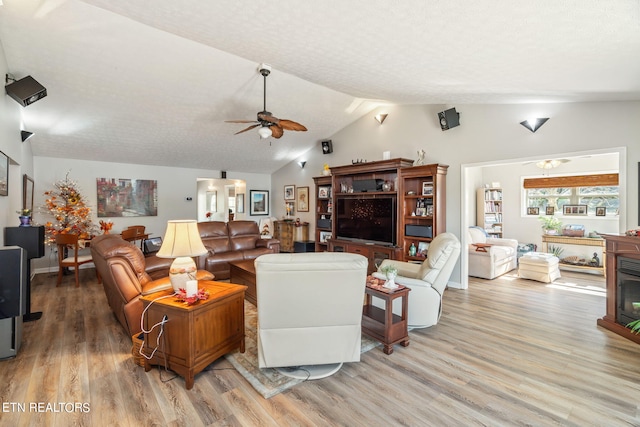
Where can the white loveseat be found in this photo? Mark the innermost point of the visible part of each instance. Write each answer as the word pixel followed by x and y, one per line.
pixel 310 310
pixel 494 261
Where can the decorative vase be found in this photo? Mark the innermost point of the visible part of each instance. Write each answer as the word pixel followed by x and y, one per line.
pixel 390 283
pixel 386 186
pixel 25 221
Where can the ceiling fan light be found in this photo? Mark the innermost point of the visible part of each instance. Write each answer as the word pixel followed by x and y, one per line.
pixel 264 132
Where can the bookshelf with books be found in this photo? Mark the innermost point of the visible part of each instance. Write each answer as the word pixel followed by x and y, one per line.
pixel 489 211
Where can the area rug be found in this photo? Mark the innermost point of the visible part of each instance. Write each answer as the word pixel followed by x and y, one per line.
pixel 268 382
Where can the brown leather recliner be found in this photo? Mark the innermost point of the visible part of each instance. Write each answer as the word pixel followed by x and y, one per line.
pixel 121 265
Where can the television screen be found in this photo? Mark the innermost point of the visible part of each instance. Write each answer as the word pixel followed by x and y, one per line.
pixel 367 219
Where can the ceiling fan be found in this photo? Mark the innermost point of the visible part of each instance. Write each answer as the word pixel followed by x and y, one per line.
pixel 269 125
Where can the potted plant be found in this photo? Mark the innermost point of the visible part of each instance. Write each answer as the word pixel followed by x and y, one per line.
pixel 390 272
pixel 25 217
pixel 550 224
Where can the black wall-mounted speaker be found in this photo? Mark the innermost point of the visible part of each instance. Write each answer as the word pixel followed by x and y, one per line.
pixel 327 147
pixel 449 119
pixel 26 91
pixel 31 239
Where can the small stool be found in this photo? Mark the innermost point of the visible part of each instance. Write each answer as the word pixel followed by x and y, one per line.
pixel 539 266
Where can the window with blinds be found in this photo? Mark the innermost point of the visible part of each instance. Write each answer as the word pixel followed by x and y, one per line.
pixel 594 191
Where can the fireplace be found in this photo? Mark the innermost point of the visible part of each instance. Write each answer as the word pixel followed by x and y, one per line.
pixel 628 290
pixel 623 284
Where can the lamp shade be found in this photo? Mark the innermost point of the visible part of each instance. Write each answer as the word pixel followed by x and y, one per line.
pixel 181 239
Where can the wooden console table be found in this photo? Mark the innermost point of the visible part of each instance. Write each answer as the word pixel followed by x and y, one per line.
pixel 195 335
pixel 578 241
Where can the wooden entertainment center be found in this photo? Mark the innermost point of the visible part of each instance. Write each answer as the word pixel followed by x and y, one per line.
pixel 418 194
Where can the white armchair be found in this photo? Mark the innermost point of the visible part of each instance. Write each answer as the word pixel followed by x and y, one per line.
pixel 490 262
pixel 427 280
pixel 309 311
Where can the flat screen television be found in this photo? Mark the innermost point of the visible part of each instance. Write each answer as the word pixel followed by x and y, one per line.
pixel 367 219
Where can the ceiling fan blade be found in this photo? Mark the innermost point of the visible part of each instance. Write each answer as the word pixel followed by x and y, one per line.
pixel 291 125
pixel 268 118
pixel 240 121
pixel 276 131
pixel 249 128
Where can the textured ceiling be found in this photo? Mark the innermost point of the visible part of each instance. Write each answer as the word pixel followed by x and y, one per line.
pixel 152 81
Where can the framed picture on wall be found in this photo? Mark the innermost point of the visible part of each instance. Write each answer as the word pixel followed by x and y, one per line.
pixel 4 174
pixel 289 192
pixel 27 193
pixel 303 199
pixel 259 202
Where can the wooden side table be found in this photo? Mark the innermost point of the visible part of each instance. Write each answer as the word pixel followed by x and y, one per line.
pixel 381 324
pixel 194 335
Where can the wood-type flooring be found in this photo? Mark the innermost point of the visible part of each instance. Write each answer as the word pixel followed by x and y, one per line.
pixel 506 352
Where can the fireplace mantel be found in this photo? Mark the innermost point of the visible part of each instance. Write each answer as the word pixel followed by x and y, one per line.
pixel 618 245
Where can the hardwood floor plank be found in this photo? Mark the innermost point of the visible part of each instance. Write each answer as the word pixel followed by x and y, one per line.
pixel 506 352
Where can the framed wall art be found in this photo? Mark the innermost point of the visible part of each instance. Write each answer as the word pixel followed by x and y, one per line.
pixel 4 174
pixel 303 199
pixel 289 192
pixel 27 193
pixel 574 210
pixel 258 202
pixel 118 197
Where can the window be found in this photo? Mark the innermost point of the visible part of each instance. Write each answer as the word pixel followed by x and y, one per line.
pixel 595 191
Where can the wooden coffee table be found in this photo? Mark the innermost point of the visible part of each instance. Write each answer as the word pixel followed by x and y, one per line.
pixel 194 335
pixel 244 273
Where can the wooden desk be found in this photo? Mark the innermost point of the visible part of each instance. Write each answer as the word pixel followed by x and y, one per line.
pixel 194 335
pixel 382 324
pixel 578 241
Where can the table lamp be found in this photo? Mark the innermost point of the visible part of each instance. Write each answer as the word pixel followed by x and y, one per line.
pixel 182 241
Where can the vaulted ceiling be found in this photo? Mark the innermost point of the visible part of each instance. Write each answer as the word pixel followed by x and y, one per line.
pixel 153 81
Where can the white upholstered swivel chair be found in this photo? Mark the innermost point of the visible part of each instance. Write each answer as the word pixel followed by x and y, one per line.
pixel 309 311
pixel 489 263
pixel 427 280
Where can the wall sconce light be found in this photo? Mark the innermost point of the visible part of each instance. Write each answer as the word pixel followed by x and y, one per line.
pixel 25 135
pixel 380 118
pixel 301 164
pixel 534 124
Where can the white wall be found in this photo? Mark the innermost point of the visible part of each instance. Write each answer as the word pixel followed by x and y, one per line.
pixel 174 186
pixel 487 133
pixel 19 153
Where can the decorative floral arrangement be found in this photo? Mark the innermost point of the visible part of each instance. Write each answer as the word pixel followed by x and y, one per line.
pixel 106 226
pixel 181 295
pixel 208 215
pixel 70 214
pixel 634 233
pixel 24 212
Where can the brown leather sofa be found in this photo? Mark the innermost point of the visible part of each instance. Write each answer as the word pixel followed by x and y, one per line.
pixel 121 265
pixel 232 241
